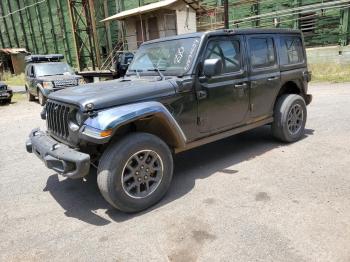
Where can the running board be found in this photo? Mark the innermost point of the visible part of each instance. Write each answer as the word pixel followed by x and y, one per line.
pixel 222 135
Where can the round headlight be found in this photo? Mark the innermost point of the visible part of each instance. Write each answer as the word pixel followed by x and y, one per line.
pixel 78 118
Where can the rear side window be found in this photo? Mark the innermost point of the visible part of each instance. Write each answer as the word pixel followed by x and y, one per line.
pixel 291 50
pixel 226 50
pixel 262 52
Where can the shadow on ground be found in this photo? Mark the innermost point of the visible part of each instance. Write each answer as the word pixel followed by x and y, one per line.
pixel 81 199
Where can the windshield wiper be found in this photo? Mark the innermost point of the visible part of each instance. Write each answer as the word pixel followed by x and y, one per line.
pixel 156 69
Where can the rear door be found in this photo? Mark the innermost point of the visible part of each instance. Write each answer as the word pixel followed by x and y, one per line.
pixel 225 102
pixel 265 76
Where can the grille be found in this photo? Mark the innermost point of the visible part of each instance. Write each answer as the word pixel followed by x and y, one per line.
pixel 57 118
pixel 4 87
pixel 67 82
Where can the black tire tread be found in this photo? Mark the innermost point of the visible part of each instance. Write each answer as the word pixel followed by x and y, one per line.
pixel 111 154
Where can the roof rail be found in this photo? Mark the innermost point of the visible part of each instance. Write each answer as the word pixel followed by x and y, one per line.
pixel 43 58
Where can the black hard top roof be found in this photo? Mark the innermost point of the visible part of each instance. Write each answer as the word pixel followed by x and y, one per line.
pixel 230 32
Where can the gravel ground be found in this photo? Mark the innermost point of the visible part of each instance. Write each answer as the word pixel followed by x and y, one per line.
pixel 246 198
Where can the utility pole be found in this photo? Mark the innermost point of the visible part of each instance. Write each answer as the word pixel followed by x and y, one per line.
pixel 226 19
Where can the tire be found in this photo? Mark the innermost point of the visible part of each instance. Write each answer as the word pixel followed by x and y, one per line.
pixel 29 95
pixel 289 118
pixel 114 174
pixel 41 98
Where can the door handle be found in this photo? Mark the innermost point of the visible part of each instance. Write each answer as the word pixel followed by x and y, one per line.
pixel 272 78
pixel 202 94
pixel 242 85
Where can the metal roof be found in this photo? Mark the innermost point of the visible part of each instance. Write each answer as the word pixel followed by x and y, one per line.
pixel 14 50
pixel 141 10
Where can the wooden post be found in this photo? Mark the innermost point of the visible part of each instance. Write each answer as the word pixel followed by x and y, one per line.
pixel 226 15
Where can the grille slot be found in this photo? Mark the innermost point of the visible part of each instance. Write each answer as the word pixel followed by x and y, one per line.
pixel 3 87
pixel 67 82
pixel 57 119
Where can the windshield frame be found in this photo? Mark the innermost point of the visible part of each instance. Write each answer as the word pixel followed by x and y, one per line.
pixel 52 64
pixel 194 52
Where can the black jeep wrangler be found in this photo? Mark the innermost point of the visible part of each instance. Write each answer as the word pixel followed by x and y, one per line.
pixel 5 93
pixel 179 92
pixel 45 74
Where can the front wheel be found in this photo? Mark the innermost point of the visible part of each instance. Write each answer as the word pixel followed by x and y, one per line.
pixel 41 98
pixel 289 118
pixel 136 172
pixel 30 97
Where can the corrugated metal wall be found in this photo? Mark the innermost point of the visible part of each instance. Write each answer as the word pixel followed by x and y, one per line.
pixel 44 26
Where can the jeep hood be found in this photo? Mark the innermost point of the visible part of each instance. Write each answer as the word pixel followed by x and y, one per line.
pixel 115 92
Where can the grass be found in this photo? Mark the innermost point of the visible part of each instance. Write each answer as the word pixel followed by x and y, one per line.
pixel 13 80
pixel 332 72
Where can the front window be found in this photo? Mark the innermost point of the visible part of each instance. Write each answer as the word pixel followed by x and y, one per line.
pixel 50 69
pixel 173 57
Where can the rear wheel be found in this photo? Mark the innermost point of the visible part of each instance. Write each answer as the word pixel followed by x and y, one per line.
pixel 41 98
pixel 289 118
pixel 136 172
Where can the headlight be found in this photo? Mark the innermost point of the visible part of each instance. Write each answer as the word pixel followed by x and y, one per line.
pixel 81 81
pixel 47 85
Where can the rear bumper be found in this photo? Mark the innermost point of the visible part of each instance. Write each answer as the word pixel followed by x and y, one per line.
pixel 57 156
pixel 5 95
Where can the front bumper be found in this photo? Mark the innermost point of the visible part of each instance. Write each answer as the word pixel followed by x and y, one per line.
pixel 57 156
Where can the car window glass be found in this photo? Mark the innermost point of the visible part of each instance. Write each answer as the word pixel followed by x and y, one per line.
pixel 291 50
pixel 262 52
pixel 32 71
pixel 226 50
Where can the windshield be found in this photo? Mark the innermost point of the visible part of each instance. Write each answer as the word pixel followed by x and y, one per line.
pixel 49 69
pixel 173 57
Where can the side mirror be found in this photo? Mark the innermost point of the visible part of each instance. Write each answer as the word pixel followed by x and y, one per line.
pixel 213 67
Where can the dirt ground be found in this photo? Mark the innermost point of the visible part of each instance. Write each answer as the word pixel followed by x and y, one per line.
pixel 246 198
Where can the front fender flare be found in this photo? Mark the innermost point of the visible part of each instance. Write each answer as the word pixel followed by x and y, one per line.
pixel 114 118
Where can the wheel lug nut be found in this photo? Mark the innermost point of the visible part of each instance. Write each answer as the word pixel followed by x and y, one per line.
pixel 139 179
pixel 146 177
pixel 137 173
pixel 142 167
pixel 147 169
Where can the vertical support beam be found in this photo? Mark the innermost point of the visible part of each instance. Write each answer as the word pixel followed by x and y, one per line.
pixel 226 15
pixel 41 28
pixel 1 38
pixel 32 31
pixel 13 23
pixel 296 3
pixel 344 27
pixel 94 33
pixel 64 31
pixel 22 25
pixel 74 32
pixel 107 26
pixel 5 23
pixel 53 32
pixel 256 11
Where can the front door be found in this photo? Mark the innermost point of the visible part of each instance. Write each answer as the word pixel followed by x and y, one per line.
pixel 265 76
pixel 223 101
